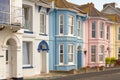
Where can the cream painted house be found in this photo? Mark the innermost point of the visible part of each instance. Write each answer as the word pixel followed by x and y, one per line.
pixel 24 36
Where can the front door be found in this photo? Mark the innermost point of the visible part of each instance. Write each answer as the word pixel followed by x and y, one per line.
pixel 79 59
pixel 8 62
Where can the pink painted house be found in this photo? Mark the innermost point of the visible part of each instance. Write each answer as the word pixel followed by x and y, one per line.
pixel 97 39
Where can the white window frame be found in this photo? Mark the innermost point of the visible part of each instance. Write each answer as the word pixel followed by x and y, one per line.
pixel 108 33
pixel 94 53
pixel 119 33
pixel 61 63
pixel 27 23
pixel 71 53
pixel 61 24
pixel 30 54
pixel 93 30
pixel 79 29
pixel 101 52
pixel 101 30
pixel 71 24
pixel 43 25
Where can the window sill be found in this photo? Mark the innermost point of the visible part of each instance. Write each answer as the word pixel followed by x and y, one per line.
pixel 66 65
pixel 43 34
pixel 27 67
pixel 29 32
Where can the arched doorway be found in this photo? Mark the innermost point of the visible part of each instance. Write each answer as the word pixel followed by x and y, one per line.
pixel 10 57
pixel 44 56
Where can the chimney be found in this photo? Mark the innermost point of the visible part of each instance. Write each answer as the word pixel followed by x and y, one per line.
pixel 111 4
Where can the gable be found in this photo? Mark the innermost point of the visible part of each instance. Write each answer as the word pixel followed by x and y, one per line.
pixel 110 10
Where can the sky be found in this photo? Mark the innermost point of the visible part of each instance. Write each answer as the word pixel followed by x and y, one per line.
pixel 97 3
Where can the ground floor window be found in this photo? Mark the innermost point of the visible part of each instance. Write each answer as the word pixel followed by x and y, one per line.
pixel 61 54
pixel 119 53
pixel 71 53
pixel 27 50
pixel 93 53
pixel 101 52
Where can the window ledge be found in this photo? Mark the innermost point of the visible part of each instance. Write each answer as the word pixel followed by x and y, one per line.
pixel 43 34
pixel 66 65
pixel 28 67
pixel 29 32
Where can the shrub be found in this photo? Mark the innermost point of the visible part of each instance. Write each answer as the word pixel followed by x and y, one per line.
pixel 113 60
pixel 107 60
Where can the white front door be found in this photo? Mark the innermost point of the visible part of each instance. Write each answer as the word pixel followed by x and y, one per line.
pixel 8 62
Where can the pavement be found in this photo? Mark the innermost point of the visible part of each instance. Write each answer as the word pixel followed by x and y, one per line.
pixel 104 75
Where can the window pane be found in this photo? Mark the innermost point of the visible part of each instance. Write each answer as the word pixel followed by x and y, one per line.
pixel 26 53
pixel 93 53
pixel 61 58
pixel 43 23
pixel 93 29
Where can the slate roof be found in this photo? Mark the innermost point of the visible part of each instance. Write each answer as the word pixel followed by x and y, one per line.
pixel 63 4
pixel 91 10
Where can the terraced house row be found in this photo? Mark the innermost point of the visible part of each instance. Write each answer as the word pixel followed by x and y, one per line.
pixel 38 36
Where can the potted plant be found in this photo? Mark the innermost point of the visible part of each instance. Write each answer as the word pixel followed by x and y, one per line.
pixel 112 61
pixel 107 61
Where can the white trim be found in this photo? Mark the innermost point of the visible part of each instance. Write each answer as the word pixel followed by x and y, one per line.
pixel 69 25
pixel 44 23
pixel 71 53
pixel 79 29
pixel 93 30
pixel 61 53
pixel 61 24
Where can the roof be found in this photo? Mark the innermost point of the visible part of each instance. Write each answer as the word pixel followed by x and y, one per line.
pixel 113 17
pixel 91 10
pixel 42 2
pixel 63 4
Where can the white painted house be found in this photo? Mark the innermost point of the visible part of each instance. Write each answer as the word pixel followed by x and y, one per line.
pixel 24 37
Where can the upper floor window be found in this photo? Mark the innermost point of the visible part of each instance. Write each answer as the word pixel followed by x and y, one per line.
pixel 61 54
pixel 27 17
pixel 93 53
pixel 79 29
pixel 101 30
pixel 119 33
pixel 71 25
pixel 61 24
pixel 108 33
pixel 101 52
pixel 93 29
pixel 43 23
pixel 5 11
pixel 71 53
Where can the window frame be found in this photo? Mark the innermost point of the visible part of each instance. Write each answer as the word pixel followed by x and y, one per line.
pixel 30 47
pixel 29 16
pixel 93 53
pixel 119 33
pixel 101 28
pixel 61 63
pixel 101 53
pixel 71 53
pixel 71 25
pixel 93 30
pixel 108 33
pixel 79 29
pixel 43 25
pixel 61 24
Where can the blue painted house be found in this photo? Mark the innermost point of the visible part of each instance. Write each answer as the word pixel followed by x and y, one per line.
pixel 66 36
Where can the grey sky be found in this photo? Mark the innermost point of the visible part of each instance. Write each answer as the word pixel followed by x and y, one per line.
pixel 98 3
